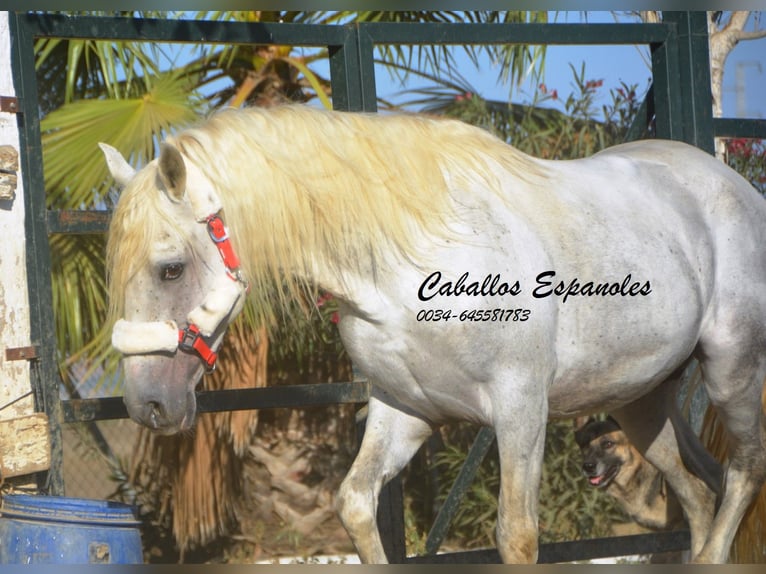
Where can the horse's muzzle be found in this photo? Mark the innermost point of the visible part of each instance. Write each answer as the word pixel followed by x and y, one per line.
pixel 158 393
pixel 155 415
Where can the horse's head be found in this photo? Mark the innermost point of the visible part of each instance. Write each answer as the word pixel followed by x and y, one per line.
pixel 174 285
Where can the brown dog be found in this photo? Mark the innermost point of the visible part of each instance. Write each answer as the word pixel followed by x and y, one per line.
pixel 612 463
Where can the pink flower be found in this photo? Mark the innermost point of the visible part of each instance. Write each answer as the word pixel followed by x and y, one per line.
pixel 335 318
pixel 593 84
pixel 324 298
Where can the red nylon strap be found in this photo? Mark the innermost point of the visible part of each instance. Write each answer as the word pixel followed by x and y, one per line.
pixel 220 236
pixel 191 340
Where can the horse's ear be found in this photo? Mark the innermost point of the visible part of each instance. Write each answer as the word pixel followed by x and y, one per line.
pixel 172 171
pixel 121 170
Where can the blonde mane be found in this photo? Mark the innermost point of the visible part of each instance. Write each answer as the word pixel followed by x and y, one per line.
pixel 303 187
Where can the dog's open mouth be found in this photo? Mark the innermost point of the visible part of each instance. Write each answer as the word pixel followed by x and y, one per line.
pixel 602 480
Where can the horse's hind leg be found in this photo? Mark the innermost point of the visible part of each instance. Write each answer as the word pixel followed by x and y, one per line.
pixel 658 430
pixel 734 367
pixel 391 438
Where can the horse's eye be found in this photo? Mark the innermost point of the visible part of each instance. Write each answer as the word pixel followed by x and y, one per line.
pixel 171 271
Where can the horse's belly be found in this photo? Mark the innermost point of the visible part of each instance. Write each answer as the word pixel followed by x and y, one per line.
pixel 582 396
pixel 615 360
pixel 427 374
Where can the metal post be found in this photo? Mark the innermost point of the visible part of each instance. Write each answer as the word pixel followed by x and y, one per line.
pixel 667 100
pixel 352 73
pixel 352 66
pixel 696 110
pixel 44 372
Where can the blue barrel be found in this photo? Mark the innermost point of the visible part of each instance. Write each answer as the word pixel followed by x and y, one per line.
pixel 60 530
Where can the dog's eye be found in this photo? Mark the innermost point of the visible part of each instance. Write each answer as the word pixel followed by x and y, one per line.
pixel 607 444
pixel 171 271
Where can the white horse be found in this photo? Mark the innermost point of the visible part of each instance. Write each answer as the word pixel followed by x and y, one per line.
pixel 474 282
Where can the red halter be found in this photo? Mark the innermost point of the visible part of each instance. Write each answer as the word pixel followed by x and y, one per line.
pixel 190 339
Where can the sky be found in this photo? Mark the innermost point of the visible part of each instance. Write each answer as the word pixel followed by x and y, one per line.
pixel 744 76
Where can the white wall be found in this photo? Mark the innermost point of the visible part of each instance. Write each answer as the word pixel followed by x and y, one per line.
pixel 14 299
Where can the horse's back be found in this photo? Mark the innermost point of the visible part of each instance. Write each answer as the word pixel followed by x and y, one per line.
pixel 695 171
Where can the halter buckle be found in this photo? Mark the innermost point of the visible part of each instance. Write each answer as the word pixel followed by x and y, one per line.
pixel 220 236
pixel 191 340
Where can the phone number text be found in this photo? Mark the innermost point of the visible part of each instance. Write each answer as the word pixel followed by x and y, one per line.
pixel 475 315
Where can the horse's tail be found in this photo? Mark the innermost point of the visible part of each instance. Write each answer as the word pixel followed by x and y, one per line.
pixel 749 545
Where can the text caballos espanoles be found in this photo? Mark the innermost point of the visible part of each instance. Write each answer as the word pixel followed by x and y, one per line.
pixel 546 285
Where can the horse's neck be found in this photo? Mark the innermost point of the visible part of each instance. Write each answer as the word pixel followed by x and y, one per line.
pixel 371 290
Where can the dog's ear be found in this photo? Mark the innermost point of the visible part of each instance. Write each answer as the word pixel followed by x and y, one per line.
pixel 612 420
pixel 582 433
pixel 579 438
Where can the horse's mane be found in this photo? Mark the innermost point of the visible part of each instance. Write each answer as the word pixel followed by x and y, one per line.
pixel 303 187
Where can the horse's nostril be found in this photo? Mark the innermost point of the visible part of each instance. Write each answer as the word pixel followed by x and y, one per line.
pixel 155 412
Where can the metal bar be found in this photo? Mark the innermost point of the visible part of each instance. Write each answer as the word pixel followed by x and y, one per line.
pixel 479 449
pixel 109 408
pixel 344 95
pixel 44 371
pixel 652 543
pixel 667 103
pixel 21 353
pixel 557 552
pixel 181 31
pixel 283 397
pixel 358 72
pixel 73 221
pixel 390 521
pixel 86 410
pixel 693 113
pixel 156 30
pixel 366 58
pixel 640 128
pixel 514 33
pixel 9 104
pixel 345 73
pixel 739 128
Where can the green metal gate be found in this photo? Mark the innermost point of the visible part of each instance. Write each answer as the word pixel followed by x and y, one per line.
pixel 679 103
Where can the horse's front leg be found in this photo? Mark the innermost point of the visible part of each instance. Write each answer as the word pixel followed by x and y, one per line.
pixel 520 429
pixel 391 438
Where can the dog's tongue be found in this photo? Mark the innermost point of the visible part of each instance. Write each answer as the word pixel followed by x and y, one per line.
pixel 596 480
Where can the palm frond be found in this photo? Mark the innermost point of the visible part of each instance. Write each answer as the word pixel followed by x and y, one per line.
pixel 71 69
pixel 71 133
pixel 516 61
pixel 79 290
